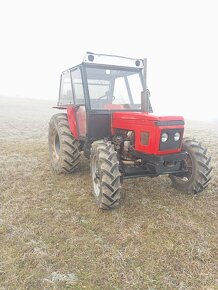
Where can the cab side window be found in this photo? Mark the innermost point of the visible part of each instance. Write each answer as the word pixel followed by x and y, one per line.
pixel 66 94
pixel 77 87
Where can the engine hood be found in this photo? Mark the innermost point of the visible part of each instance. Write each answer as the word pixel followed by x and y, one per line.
pixel 142 118
pixel 151 125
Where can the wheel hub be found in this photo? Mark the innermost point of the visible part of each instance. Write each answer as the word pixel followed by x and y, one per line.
pixel 188 168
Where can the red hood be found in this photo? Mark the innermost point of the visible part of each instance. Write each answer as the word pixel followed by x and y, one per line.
pixel 145 117
pixel 140 122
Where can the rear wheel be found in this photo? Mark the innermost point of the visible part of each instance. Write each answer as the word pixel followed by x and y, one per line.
pixel 63 147
pixel 197 165
pixel 105 175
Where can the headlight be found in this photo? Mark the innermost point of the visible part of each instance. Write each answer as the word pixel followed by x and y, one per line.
pixel 164 137
pixel 177 136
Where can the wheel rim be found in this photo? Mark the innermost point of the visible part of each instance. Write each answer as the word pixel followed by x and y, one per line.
pixel 95 177
pixel 56 145
pixel 188 166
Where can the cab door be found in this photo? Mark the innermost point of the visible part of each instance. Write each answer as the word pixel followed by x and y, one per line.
pixel 79 101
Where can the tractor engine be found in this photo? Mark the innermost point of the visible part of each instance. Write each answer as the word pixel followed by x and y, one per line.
pixel 124 142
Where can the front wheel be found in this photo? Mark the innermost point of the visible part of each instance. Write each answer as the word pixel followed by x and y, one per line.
pixel 105 174
pixel 197 166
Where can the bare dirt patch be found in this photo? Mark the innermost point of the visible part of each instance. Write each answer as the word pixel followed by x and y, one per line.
pixel 53 237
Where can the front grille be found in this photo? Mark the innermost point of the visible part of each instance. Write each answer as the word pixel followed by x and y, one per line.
pixel 171 143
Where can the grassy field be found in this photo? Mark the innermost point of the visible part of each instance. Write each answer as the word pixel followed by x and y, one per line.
pixel 52 236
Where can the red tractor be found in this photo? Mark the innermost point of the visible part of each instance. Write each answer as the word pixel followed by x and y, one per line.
pixel 108 118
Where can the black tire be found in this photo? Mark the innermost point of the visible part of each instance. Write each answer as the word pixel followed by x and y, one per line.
pixel 198 168
pixel 63 147
pixel 105 175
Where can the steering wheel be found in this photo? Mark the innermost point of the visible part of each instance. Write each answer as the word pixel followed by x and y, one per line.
pixel 106 96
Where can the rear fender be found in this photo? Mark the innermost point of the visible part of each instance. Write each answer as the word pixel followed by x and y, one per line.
pixel 71 114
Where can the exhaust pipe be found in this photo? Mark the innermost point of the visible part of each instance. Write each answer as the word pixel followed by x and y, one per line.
pixel 144 94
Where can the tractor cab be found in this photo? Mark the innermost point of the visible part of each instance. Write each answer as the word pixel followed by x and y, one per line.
pixel 99 86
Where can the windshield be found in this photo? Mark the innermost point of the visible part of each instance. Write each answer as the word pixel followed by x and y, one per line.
pixel 114 88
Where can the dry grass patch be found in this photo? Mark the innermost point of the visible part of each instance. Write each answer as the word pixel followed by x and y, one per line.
pixel 53 237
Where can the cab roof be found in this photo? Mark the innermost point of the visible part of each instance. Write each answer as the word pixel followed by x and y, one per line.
pixel 108 59
pixel 111 60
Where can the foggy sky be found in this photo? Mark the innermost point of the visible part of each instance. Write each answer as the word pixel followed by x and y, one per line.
pixel 39 39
